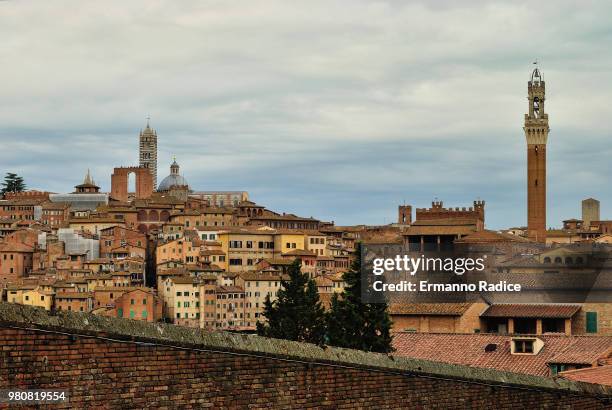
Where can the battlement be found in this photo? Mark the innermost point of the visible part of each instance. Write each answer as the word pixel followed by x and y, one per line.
pixel 438 211
pixel 27 195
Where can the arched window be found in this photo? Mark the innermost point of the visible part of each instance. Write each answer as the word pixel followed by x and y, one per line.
pixel 569 260
pixel 153 215
pixel 547 259
pixel 580 260
pixel 558 259
pixel 142 215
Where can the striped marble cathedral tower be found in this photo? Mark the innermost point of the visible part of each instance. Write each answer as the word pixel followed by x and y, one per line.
pixel 148 151
pixel 536 132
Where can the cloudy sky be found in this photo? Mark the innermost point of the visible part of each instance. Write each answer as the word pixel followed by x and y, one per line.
pixel 335 109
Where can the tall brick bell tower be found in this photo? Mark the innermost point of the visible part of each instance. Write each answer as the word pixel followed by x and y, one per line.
pixel 536 132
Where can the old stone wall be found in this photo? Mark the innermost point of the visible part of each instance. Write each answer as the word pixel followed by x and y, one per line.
pixel 112 363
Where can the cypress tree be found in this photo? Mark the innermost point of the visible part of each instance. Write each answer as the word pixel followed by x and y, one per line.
pixel 354 324
pixel 297 313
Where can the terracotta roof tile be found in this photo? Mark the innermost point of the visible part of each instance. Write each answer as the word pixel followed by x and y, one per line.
pixel 450 309
pixel 594 375
pixel 487 236
pixel 531 311
pixel 261 276
pixel 73 295
pixel 469 350
pixel 584 351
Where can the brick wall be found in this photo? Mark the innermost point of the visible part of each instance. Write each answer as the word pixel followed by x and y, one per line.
pixel 604 319
pixel 189 369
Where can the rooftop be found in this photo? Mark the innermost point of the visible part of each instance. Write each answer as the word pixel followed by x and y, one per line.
pixel 492 351
pixel 442 309
pixel 596 375
pixel 89 325
pixel 519 310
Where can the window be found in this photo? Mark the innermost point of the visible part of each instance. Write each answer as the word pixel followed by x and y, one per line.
pixel 556 368
pixel 235 244
pixel 131 301
pixel 120 312
pixel 249 244
pixel 144 301
pixel 144 314
pixel 523 346
pixel 591 322
pixel 178 293
pixel 132 314
pixel 235 262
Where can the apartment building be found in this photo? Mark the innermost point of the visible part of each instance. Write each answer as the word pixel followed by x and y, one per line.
pixel 245 247
pixel 257 286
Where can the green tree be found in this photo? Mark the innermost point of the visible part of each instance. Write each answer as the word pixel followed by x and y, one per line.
pixel 354 324
pixel 297 313
pixel 12 183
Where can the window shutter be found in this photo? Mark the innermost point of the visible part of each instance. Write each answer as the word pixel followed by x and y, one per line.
pixel 591 322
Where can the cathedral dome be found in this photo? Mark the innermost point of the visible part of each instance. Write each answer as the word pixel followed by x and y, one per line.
pixel 172 180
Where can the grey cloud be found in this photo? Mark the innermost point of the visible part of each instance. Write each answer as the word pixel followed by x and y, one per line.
pixel 338 109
